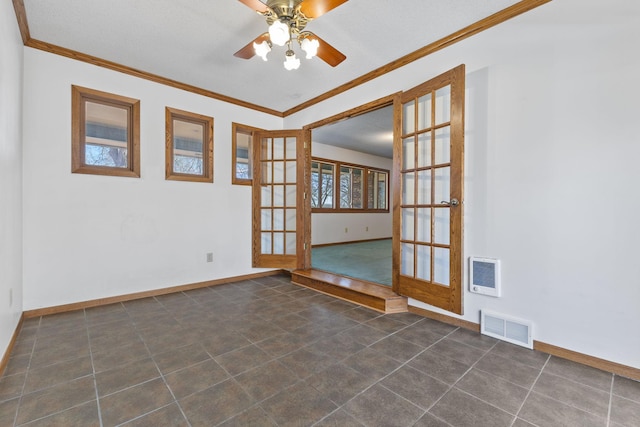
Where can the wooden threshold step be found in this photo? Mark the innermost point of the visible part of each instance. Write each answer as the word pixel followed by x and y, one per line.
pixel 371 295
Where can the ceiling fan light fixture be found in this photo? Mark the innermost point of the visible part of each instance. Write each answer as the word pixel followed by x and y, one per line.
pixel 262 49
pixel 291 62
pixel 310 46
pixel 279 33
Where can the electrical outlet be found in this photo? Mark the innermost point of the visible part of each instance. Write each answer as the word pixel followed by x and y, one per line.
pixel 11 297
pixel 346 230
pixel 366 229
pixel 209 256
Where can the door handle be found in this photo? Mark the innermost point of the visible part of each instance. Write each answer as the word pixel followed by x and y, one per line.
pixel 453 202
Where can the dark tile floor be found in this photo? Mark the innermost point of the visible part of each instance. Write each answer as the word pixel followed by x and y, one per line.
pixel 269 353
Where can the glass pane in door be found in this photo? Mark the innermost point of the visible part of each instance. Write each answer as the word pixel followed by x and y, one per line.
pixel 443 105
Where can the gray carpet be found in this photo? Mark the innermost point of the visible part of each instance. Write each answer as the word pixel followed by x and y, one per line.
pixel 369 261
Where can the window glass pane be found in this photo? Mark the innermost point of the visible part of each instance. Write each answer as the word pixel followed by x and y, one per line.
pixel 423 262
pixel 278 148
pixel 423 225
pixel 291 148
pixel 278 219
pixel 424 149
pixel 408 153
pixel 442 185
pixel 265 243
pixel 424 112
pixel 291 243
pixel 408 117
pixel 406 259
pixel 346 182
pixel 243 148
pixel 278 195
pixel 408 225
pixel 408 196
pixel 278 243
pixel 326 187
pixel 291 195
pixel 106 135
pixel 424 187
pixel 441 266
pixel 443 145
pixel 265 199
pixel 188 143
pixel 291 220
pixel 351 186
pixel 443 105
pixel 377 190
pixel 441 226
pixel 267 172
pixel 278 172
pixel 290 173
pixel 382 190
pixel 315 185
pixel 267 148
pixel 266 219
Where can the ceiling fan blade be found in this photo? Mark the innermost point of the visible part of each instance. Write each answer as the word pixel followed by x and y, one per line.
pixel 248 51
pixel 315 8
pixel 256 5
pixel 328 53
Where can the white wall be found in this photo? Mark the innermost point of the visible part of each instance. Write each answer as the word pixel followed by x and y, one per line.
pixel 10 174
pixel 552 153
pixel 330 227
pixel 89 236
pixel 551 170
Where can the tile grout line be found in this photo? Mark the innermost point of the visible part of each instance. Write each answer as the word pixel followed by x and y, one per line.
pixel 401 366
pixel 531 388
pixel 26 373
pixel 93 369
pixel 159 371
pixel 515 417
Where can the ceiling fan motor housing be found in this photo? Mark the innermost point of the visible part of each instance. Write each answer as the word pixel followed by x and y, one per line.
pixel 288 13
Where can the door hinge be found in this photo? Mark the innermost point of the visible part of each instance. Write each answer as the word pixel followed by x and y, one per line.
pixel 305 145
pixel 305 246
pixel 305 196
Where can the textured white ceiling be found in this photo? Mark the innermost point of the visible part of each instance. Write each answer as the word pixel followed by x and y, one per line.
pixel 193 41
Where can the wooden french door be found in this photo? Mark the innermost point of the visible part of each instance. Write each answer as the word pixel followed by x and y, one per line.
pixel 428 191
pixel 278 199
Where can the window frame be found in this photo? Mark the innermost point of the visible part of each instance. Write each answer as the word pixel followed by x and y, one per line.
pixel 250 130
pixel 206 122
pixel 337 165
pixel 79 97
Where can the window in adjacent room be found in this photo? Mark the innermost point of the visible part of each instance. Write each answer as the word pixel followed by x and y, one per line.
pixel 105 133
pixel 189 147
pixel 241 153
pixel 344 187
pixel 322 184
pixel 377 189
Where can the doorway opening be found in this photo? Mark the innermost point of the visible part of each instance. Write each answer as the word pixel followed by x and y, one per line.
pixel 351 216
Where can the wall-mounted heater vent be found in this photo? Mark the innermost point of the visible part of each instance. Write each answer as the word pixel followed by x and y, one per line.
pixel 484 276
pixel 506 328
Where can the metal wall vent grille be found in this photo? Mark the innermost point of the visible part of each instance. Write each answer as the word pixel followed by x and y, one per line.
pixel 506 328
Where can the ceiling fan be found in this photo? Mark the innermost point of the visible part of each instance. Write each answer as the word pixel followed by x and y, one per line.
pixel 287 20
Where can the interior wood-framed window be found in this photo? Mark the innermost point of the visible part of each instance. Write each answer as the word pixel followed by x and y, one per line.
pixel 105 131
pixel 189 146
pixel 241 137
pixel 346 187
